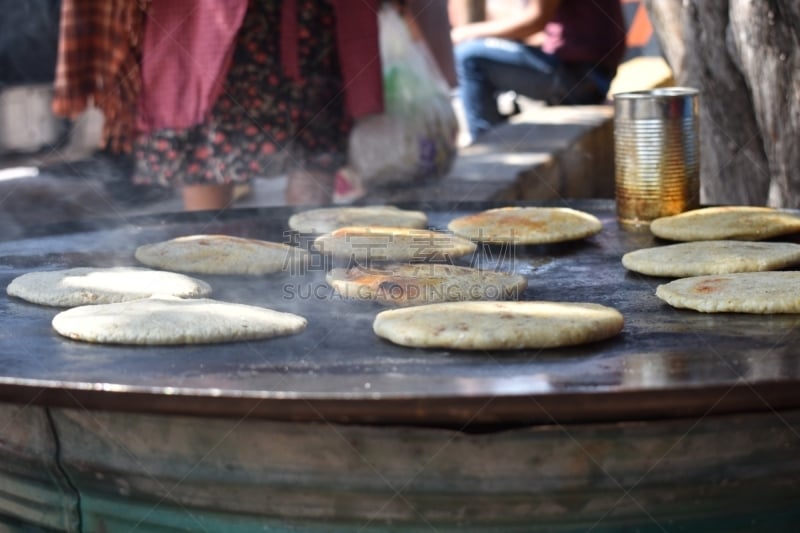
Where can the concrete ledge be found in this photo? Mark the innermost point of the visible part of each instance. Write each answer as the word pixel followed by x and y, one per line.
pixel 544 153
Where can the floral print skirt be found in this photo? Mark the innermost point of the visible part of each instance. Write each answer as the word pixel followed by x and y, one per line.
pixel 264 122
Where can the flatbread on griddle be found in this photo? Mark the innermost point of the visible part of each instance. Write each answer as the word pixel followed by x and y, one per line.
pixel 498 325
pixel 327 219
pixel 389 244
pixel 170 321
pixel 420 283
pixel 93 285
pixel 744 292
pixel 711 257
pixel 526 225
pixel 738 222
pixel 221 254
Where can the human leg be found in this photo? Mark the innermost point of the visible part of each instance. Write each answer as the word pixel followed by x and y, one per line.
pixel 309 186
pixel 488 66
pixel 580 84
pixel 200 197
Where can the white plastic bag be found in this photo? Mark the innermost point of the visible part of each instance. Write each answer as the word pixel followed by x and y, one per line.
pixel 415 138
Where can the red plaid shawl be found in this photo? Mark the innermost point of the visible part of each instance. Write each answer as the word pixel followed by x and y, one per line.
pixel 98 59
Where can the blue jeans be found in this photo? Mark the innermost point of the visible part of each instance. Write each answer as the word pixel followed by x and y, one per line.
pixel 486 67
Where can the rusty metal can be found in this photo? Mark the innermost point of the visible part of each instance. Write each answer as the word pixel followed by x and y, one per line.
pixel 656 154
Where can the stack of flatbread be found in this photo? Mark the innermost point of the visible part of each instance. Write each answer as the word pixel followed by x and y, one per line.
pixel 90 286
pixel 712 257
pixel 526 225
pixel 421 283
pixel 367 244
pixel 221 254
pixel 726 222
pixel 164 320
pixel 327 219
pixel 498 325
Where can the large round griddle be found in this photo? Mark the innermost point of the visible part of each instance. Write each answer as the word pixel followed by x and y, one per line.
pixel 666 362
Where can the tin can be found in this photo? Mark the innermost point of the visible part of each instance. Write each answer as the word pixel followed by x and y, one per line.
pixel 656 154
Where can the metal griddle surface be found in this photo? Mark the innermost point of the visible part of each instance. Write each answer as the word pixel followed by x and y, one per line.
pixel 666 362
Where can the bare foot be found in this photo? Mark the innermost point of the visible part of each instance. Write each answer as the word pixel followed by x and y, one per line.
pixel 309 187
pixel 203 197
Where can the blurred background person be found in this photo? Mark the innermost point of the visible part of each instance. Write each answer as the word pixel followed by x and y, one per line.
pixel 561 52
pixel 208 94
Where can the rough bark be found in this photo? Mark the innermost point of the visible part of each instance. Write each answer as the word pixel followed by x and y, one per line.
pixel 744 57
pixel 765 37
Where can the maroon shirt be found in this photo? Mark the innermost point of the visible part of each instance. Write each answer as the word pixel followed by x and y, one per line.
pixel 587 31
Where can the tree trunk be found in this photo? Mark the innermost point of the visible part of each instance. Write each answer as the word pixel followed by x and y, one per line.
pixel 666 16
pixel 744 57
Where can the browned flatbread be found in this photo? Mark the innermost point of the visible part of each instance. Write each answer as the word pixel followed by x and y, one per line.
pixel 742 292
pixel 498 325
pixel 736 222
pixel 416 284
pixel 221 254
pixel 327 219
pixel 91 286
pixel 526 225
pixel 366 244
pixel 701 258
pixel 166 320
